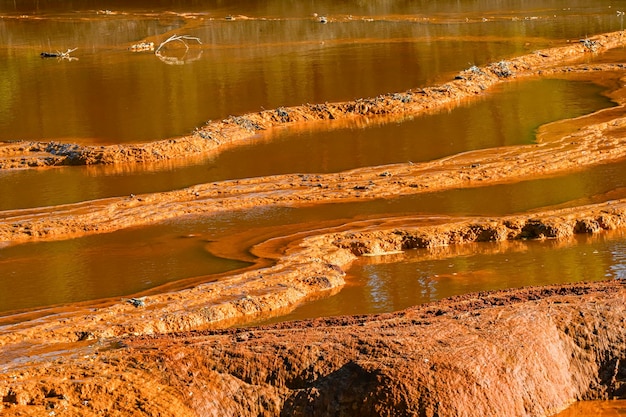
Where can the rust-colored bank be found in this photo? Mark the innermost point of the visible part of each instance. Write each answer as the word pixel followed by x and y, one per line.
pixel 526 352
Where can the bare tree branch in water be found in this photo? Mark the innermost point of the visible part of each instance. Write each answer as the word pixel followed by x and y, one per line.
pixel 60 55
pixel 179 38
pixel 173 60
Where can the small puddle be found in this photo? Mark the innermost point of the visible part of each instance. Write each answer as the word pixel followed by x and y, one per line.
pixel 508 116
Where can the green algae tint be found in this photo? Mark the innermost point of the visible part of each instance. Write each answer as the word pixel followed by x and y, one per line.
pixel 510 115
pixel 383 284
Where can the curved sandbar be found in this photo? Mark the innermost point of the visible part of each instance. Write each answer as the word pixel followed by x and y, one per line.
pixel 217 135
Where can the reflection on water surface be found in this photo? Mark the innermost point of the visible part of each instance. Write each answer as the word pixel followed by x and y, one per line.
pixel 121 263
pixel 95 267
pixel 509 116
pixel 282 56
pixel 117 96
pixel 391 283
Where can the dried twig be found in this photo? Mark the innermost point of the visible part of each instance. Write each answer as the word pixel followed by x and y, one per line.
pixel 179 38
pixel 60 55
pixel 142 46
pixel 66 54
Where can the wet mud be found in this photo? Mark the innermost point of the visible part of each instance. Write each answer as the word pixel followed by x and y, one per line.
pixel 520 352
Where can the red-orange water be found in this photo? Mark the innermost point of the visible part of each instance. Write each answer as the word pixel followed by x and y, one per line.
pixel 279 55
pixel 614 408
pixel 270 53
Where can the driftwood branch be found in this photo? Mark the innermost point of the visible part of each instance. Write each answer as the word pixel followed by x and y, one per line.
pixel 178 38
pixel 60 55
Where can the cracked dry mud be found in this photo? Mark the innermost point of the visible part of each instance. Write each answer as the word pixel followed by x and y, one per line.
pixel 527 352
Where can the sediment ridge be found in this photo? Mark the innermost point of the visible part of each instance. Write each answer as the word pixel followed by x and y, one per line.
pixel 218 135
pixel 592 139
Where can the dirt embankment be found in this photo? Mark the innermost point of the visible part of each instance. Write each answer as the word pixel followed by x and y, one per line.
pixel 528 352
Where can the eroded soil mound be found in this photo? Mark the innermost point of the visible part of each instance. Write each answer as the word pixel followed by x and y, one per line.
pixel 527 352
pixel 301 266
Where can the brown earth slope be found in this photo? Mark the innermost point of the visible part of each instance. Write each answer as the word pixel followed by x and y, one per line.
pixel 527 352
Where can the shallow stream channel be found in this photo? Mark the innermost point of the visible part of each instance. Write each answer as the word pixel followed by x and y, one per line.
pixel 140 259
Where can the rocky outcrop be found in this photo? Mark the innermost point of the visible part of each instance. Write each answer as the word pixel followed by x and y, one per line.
pixel 527 352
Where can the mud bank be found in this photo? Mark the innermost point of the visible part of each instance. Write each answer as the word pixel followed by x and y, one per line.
pixel 601 140
pixel 218 135
pixel 527 352
pixel 288 272
pixel 561 147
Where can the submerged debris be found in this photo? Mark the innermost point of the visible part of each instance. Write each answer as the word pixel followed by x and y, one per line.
pixel 137 302
pixel 60 55
pixel 591 45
